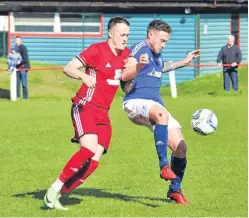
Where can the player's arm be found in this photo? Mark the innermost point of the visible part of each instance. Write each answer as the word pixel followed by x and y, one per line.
pixel 133 66
pixel 129 73
pixel 72 69
pixel 137 60
pixel 169 66
pixel 86 58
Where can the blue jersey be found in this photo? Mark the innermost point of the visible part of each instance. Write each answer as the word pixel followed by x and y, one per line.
pixel 148 81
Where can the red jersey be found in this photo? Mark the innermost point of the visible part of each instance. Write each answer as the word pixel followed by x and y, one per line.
pixel 106 67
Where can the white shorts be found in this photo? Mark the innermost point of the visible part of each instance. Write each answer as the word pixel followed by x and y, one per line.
pixel 138 112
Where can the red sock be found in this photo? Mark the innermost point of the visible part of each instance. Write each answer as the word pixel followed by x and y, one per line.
pixel 75 163
pixel 78 181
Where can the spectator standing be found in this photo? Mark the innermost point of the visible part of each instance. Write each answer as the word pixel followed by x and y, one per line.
pixel 22 72
pixel 230 54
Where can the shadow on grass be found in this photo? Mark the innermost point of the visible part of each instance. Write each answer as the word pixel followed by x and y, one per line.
pixel 94 192
pixel 4 93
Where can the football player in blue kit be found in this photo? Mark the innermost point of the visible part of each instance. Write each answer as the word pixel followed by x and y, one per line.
pixel 144 106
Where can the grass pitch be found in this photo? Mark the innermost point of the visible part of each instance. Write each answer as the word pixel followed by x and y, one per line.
pixel 35 145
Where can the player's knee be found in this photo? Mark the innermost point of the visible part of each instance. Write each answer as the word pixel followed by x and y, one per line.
pixel 99 153
pixel 158 115
pixel 91 147
pixel 90 141
pixel 162 117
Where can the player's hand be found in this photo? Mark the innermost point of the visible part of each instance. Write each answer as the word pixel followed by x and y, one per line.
pixel 131 61
pixel 219 64
pixel 89 81
pixel 144 59
pixel 192 55
pixel 234 64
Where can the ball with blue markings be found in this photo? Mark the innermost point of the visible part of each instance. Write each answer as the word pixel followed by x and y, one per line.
pixel 204 122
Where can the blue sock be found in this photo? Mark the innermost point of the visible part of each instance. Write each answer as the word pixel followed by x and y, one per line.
pixel 161 142
pixel 178 165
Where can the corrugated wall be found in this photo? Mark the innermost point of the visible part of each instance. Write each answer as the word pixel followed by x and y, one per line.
pixel 181 42
pixel 138 23
pixel 54 50
pixel 61 50
pixel 244 36
pixel 214 30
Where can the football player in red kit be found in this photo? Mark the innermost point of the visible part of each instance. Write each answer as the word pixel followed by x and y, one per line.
pixel 104 64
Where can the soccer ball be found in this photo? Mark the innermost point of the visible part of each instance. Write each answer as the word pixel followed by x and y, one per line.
pixel 204 122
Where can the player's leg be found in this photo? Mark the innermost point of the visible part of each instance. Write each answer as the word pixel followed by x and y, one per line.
pixel 79 160
pixel 84 172
pixel 147 112
pixel 159 116
pixel 104 132
pixel 178 160
pixel 86 131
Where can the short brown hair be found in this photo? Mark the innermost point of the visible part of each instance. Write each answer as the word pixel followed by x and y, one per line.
pixel 159 25
pixel 115 20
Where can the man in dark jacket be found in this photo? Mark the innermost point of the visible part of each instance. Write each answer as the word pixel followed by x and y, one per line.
pixel 230 54
pixel 22 69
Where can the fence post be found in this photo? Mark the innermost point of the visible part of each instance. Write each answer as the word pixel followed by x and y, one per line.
pixel 198 42
pixel 172 81
pixel 13 96
pixel 83 30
